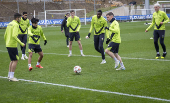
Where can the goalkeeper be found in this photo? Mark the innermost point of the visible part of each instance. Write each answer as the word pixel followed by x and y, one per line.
pixel 113 35
pixel 34 32
pixel 98 23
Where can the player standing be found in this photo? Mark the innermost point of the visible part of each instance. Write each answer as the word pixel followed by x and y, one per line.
pixel 159 19
pixel 35 31
pixel 66 29
pixel 23 27
pixel 98 23
pixel 73 22
pixel 11 40
pixel 114 36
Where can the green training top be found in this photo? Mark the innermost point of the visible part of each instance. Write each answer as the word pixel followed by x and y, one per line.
pixel 23 25
pixel 73 24
pixel 158 17
pixel 98 25
pixel 34 35
pixel 114 28
pixel 11 34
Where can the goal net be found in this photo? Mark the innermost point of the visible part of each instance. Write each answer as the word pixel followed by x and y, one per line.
pixel 55 17
pixel 141 14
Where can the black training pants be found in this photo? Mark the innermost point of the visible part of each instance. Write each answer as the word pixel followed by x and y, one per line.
pixel 23 38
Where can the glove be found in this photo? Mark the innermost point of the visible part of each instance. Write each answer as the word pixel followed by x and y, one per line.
pixel 107 41
pixel 89 35
pixel 106 28
pixel 45 42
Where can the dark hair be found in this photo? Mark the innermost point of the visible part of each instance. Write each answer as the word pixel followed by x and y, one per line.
pixel 110 13
pixel 72 11
pixel 34 20
pixel 24 12
pixel 17 15
pixel 67 14
pixel 100 11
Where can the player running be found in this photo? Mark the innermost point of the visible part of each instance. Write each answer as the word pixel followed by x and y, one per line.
pixel 113 35
pixel 34 32
pixel 98 23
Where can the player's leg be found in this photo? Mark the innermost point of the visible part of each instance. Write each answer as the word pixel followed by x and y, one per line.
pixel 24 48
pixel 39 59
pixel 77 38
pixel 101 40
pixel 20 37
pixel 162 36
pixel 31 48
pixel 71 37
pixel 110 50
pixel 13 53
pixel 96 43
pixel 156 36
pixel 67 39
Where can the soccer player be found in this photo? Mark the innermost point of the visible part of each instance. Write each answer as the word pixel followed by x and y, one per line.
pixel 73 22
pixel 23 26
pixel 34 32
pixel 113 35
pixel 159 19
pixel 66 29
pixel 11 40
pixel 98 23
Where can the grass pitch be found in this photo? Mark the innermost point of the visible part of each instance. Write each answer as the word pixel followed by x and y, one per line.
pixel 144 76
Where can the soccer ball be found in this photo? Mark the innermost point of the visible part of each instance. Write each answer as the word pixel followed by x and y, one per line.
pixel 77 69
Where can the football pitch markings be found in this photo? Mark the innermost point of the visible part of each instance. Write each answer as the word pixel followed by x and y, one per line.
pixel 106 56
pixel 94 90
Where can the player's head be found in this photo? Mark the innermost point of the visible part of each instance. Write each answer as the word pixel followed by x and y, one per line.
pixel 109 16
pixel 157 6
pixel 17 17
pixel 25 15
pixel 34 21
pixel 67 15
pixel 72 13
pixel 99 13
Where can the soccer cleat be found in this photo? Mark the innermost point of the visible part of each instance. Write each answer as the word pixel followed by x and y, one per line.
pixel 82 55
pixel 103 62
pixel 163 56
pixel 39 66
pixel 22 58
pixel 157 56
pixel 25 56
pixel 117 64
pixel 69 55
pixel 13 79
pixel 30 68
pixel 121 68
pixel 67 45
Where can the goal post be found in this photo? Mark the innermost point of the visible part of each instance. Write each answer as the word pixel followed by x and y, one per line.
pixel 54 17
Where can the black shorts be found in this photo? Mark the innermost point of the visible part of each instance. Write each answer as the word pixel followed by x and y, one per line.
pixel 74 34
pixel 34 48
pixel 113 47
pixel 13 53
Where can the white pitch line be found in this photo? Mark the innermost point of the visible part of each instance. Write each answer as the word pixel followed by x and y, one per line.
pixel 107 56
pixel 95 90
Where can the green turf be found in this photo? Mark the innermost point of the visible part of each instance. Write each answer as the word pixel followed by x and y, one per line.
pixel 144 77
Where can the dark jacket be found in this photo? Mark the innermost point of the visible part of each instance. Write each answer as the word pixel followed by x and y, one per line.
pixel 66 29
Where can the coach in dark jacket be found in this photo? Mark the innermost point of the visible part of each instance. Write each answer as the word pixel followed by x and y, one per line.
pixel 66 29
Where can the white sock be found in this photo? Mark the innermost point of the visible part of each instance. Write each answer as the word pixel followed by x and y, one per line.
pixel 121 64
pixel 11 75
pixel 103 59
pixel 23 55
pixel 81 51
pixel 29 65
pixel 70 51
pixel 157 52
pixel 38 63
pixel 115 59
pixel 164 52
